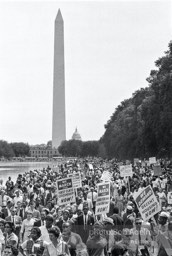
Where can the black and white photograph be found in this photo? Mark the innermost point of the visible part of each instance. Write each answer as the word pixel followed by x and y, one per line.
pixel 86 98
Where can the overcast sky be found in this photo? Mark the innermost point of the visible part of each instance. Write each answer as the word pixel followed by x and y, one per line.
pixel 110 48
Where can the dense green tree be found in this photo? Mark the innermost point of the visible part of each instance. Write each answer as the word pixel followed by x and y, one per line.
pixel 63 148
pixel 6 149
pixel 20 149
pixel 142 125
pixel 90 148
pixel 102 151
pixel 70 148
pixel 80 148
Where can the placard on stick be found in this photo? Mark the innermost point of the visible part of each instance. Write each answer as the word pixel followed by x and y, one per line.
pixel 65 190
pixel 103 198
pixel 147 203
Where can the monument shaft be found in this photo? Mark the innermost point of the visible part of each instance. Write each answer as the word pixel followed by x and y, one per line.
pixel 59 118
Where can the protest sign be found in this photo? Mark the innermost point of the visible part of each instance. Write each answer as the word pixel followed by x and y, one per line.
pixel 103 198
pixel 147 203
pixel 106 176
pixel 65 191
pixel 76 180
pixel 152 160
pixel 169 197
pixel 126 170
pixel 157 170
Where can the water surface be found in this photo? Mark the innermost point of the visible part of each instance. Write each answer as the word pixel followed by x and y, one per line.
pixel 14 168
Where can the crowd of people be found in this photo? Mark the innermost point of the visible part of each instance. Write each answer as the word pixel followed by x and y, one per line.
pixel 32 222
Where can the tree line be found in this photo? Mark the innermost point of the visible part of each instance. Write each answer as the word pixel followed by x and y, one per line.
pixel 16 149
pixel 82 148
pixel 141 126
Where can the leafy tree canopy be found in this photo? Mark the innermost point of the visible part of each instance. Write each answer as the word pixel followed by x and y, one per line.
pixel 142 125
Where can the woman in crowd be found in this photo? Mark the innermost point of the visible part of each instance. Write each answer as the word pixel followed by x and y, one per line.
pixel 10 237
pixel 35 213
pixel 26 227
pixel 57 246
pixel 34 245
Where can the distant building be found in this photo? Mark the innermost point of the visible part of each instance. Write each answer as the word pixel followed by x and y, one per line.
pixel 43 151
pixel 76 135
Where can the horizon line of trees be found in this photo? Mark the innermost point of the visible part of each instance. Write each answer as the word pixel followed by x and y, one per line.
pixel 15 149
pixel 67 148
pixel 79 148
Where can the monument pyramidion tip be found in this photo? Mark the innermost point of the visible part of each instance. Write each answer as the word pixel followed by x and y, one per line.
pixel 59 17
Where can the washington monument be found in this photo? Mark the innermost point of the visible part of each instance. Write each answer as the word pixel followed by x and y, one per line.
pixel 59 119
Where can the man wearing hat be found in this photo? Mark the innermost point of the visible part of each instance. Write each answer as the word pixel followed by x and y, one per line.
pixel 162 220
pixel 129 217
pixel 108 226
pixel 64 219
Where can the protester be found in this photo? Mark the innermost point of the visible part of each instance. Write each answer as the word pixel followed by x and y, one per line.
pixel 33 201
pixel 84 223
pixel 56 246
pixel 64 219
pixel 26 227
pixel 117 220
pixel 97 242
pixel 10 237
pixel 44 229
pixel 124 246
pixel 141 238
pixel 33 245
pixel 119 201
pixel 72 239
pixel 42 221
pixel 16 220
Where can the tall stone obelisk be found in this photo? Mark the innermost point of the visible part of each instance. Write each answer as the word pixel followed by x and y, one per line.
pixel 59 119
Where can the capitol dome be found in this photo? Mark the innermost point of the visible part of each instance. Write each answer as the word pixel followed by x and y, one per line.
pixel 76 135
